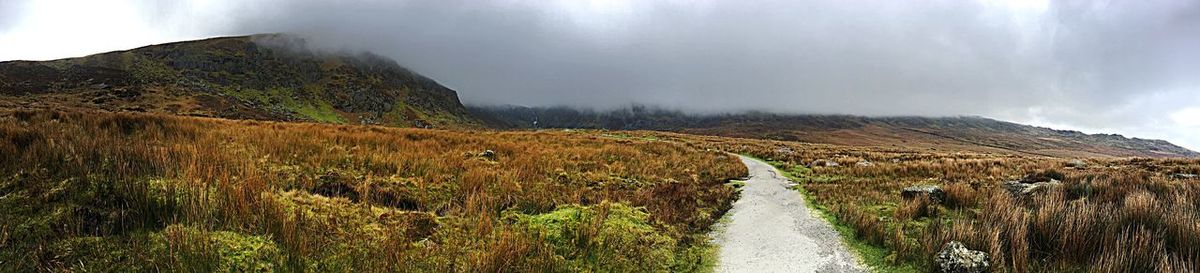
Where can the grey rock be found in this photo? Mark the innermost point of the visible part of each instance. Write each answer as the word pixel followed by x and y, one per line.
pixel 488 154
pixel 1077 163
pixel 956 258
pixel 1185 176
pixel 865 163
pixel 933 191
pixel 823 163
pixel 1019 188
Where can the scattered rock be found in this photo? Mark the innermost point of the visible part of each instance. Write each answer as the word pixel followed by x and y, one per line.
pixel 865 163
pixel 933 191
pixel 1077 164
pixel 1185 176
pixel 823 163
pixel 785 150
pixel 956 258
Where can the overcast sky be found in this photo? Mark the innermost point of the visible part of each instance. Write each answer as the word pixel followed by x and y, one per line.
pixel 1128 67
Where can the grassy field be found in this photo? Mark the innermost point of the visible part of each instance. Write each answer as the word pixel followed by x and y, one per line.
pixel 96 191
pixel 1110 215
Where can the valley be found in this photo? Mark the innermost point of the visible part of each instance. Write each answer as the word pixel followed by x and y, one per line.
pixel 258 153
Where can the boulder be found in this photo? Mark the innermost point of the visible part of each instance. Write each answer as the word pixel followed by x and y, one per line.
pixel 1021 188
pixel 785 151
pixel 956 258
pixel 489 154
pixel 934 192
pixel 1046 176
pixel 1077 164
pixel 865 163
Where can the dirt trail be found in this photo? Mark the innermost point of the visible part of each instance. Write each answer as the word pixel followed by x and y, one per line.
pixel 771 229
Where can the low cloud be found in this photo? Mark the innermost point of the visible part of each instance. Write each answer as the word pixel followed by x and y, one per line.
pixel 1097 66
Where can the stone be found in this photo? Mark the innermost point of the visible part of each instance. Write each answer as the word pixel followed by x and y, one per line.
pixel 934 192
pixel 488 154
pixel 956 258
pixel 823 163
pixel 1185 176
pixel 1020 188
pixel 865 163
pixel 785 151
pixel 1077 164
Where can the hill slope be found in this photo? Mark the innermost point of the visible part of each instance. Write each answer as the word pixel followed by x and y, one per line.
pixel 270 76
pixel 955 133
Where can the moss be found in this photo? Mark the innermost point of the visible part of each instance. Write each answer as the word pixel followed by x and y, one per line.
pixel 286 98
pixel 609 237
pixel 175 248
pixel 320 111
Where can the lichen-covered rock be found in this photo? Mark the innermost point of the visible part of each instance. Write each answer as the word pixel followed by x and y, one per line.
pixel 956 258
pixel 934 192
pixel 1019 189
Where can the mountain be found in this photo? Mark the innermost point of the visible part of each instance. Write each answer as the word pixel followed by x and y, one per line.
pixel 948 133
pixel 267 76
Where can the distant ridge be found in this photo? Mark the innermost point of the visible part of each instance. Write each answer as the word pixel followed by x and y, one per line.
pixel 962 133
pixel 266 76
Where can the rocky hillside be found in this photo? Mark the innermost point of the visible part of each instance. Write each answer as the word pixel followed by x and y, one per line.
pixel 270 76
pixel 945 133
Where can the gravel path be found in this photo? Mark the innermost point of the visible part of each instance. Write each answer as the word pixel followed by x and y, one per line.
pixel 772 230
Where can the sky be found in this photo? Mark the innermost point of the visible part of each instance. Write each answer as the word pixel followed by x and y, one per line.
pixel 1126 67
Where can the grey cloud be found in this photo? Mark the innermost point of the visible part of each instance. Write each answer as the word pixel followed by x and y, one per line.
pixel 1093 64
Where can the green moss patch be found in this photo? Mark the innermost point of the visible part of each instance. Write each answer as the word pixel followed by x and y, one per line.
pixel 609 237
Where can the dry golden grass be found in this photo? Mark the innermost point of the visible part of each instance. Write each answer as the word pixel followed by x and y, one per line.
pixel 1114 215
pixel 130 192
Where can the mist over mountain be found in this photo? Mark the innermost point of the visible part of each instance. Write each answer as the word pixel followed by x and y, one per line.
pixel 947 133
pixel 1094 66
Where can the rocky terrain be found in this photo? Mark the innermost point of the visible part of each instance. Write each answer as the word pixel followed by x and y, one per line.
pixel 269 76
pixel 944 133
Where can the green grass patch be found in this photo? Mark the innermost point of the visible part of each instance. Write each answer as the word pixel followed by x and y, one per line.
pixel 320 111
pixel 609 237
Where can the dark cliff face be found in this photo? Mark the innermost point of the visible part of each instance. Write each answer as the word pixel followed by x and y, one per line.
pixel 973 133
pixel 269 76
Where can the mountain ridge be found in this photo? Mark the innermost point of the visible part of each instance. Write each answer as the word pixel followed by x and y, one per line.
pixel 961 132
pixel 262 76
